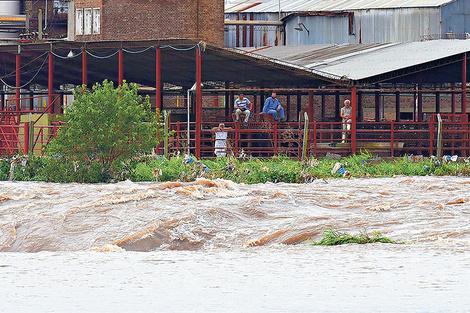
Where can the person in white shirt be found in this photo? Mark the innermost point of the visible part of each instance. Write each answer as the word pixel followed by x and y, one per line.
pixel 346 114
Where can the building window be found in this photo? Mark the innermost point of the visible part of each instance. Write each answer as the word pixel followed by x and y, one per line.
pixel 87 25
pixel 96 21
pixel 79 22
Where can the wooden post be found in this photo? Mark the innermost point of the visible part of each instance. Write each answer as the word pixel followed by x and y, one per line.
pixel 305 139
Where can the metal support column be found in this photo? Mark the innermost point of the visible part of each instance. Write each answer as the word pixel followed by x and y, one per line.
pixel 198 101
pixel 50 88
pixel 84 68
pixel 18 80
pixel 397 106
pixel 452 109
pixel 158 79
pixel 420 102
pixel 311 109
pixel 227 102
pixel 360 108
pixel 377 106
pixel 299 103
pixel 464 84
pixel 121 67
pixel 353 119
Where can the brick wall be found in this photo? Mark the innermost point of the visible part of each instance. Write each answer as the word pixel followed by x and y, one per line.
pixel 158 19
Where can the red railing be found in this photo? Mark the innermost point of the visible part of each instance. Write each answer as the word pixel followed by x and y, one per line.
pixel 267 139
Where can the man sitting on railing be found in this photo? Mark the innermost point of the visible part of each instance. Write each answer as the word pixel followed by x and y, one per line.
pixel 273 106
pixel 241 107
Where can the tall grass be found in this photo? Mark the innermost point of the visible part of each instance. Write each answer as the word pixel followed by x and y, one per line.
pixel 179 168
pixel 332 237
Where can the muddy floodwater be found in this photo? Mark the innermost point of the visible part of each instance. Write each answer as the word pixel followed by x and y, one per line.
pixel 217 246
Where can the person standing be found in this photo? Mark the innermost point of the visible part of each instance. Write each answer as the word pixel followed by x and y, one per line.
pixel 273 106
pixel 346 114
pixel 241 107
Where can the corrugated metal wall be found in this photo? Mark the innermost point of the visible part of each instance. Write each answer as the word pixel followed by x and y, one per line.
pixel 317 30
pixel 257 37
pixel 369 26
pixel 456 17
pixel 395 25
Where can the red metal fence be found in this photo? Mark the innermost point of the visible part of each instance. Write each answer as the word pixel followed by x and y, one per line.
pixel 264 138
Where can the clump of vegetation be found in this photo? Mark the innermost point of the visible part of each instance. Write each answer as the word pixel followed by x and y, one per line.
pixel 332 237
pixel 103 127
pixel 65 168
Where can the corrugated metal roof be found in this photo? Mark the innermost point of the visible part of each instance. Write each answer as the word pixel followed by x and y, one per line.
pixel 356 62
pixel 266 6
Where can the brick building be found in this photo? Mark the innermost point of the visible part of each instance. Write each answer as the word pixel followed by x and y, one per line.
pixel 92 20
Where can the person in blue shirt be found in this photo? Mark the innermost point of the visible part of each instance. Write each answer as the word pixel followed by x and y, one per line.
pixel 273 106
pixel 243 106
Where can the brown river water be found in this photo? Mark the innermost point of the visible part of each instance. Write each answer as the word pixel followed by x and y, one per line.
pixel 217 246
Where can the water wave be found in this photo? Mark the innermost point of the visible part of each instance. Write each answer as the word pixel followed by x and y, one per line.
pixel 220 214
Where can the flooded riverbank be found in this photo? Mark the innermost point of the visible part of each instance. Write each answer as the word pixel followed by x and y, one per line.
pixel 217 246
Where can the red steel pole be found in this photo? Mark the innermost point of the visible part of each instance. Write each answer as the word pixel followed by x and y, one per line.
pixel 84 69
pixel 121 67
pixel 158 83
pixel 51 82
pixel 26 138
pixel 198 101
pixel 464 83
pixel 18 82
pixel 353 117
pixel 311 109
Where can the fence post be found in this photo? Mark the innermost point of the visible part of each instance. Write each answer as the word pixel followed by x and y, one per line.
pixel 439 136
pixel 314 138
pixel 165 129
pixel 305 140
pixel 26 138
pixel 392 137
pixel 275 138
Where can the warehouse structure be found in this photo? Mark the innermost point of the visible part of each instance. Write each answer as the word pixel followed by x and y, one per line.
pixel 397 89
pixel 255 23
